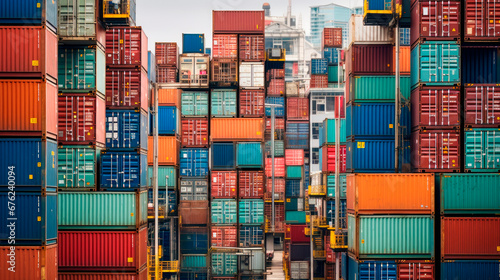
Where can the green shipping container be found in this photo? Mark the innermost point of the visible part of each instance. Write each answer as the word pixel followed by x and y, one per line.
pixel 294 204
pixel 193 261
pixel 377 88
pixel 224 211
pixel 102 210
pixel 330 185
pixel 251 211
pixel 391 237
pixel 279 148
pixel 294 172
pixel 167 176
pixel 249 155
pixel 482 149
pixel 76 166
pixel 82 69
pixel 194 103
pixel 224 264
pixel 78 19
pixel 469 193
pixel 223 103
pixel 295 217
pixel 333 74
pixel 327 132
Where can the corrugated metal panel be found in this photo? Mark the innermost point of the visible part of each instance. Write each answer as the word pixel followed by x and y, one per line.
pixel 295 217
pixel 224 236
pixel 193 189
pixel 79 20
pixel 480 20
pixel 327 158
pixel 330 184
pixel 333 74
pixel 123 170
pixel 438 20
pixel 168 150
pixel 297 108
pixel 168 121
pixel 126 129
pixel 297 135
pixel 194 261
pixel 376 88
pixel 193 162
pixel 327 132
pixel 251 75
pixel 376 270
pixel 223 103
pixel 251 211
pixel 331 55
pixel 435 63
pixel 427 147
pixel 151 67
pixel 34 263
pixel 194 212
pixel 236 129
pixel 224 184
pixel 249 155
pixel 363 34
pixel 372 156
pixel 408 270
pixel 279 111
pixel 294 157
pixel 194 132
pixel 251 48
pixel 293 188
pixel 126 46
pixel 294 204
pixel 251 103
pixel 169 97
pixel 294 172
pixel 319 66
pixel 279 148
pixel 238 22
pixel 81 68
pixel 223 156
pixel 142 275
pixel 224 264
pixel 482 149
pixel 167 176
pixel 482 105
pixel 279 167
pixel 194 240
pixel 319 81
pixel 331 38
pixel 194 103
pixel 168 74
pixel 436 107
pixel 77 166
pixel 127 88
pixel 251 236
pixel 224 71
pixel 480 269
pixel 275 87
pixel 224 211
pixel 32 12
pixel 480 65
pixel 166 53
pixel 369 60
pixel 299 270
pixel 251 184
pixel 225 46
pixel 193 43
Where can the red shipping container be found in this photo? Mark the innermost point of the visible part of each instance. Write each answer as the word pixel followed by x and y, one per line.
pixel 339 107
pixel 194 132
pixel 279 216
pixel 436 107
pixel 276 87
pixel 252 103
pixel 470 238
pixel 279 167
pixel 294 157
pixel 82 119
pixel 166 54
pixel 225 46
pixel 238 22
pixel 28 52
pixel 330 255
pixel 331 38
pixel 369 60
pixel 127 89
pixel 126 47
pixel 251 48
pixel 297 109
pixel 142 275
pixel 298 235
pixel 411 270
pixel 319 81
pixel 435 20
pixel 224 184
pixel 278 124
pixel 435 151
pixel 166 74
pixel 328 158
pixel 482 105
pixel 28 108
pixel 481 20
pixel 279 190
pixel 224 236
pixel 103 250
pixel 330 271
pixel 275 74
pixel 30 262
pixel 251 184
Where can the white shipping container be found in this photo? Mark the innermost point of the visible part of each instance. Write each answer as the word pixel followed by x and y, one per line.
pixel 316 179
pixel 194 69
pixel 292 89
pixel 362 34
pixel 252 74
pixel 299 270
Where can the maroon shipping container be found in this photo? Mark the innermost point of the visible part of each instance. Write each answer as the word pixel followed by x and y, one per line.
pixel 252 103
pixel 31 262
pixel 319 81
pixel 436 107
pixel 297 109
pixel 482 105
pixel 330 255
pixel 279 167
pixel 127 89
pixel 225 236
pixel 328 159
pixel 225 46
pixel 279 190
pixel 275 74
pixel 470 238
pixel 126 47
pixel 276 87
pixel 251 48
pixel 279 215
pixel 28 52
pixel 166 74
pixel 369 60
pixel 251 184
pixel 81 119
pixel 142 275
pixel 297 234
pixel 245 22
pixel 435 150
pixel 225 71
pixel 193 212
pixel 331 38
pixel 194 132
pixel 435 20
pixel 224 184
pixel 413 269
pixel 166 54
pixel 294 157
pixel 481 20
pixel 103 250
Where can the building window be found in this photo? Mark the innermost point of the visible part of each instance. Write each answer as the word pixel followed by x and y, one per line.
pixel 315 155
pixel 318 105
pixel 315 130
pixel 330 104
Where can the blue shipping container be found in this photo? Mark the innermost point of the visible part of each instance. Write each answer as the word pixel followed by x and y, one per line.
pixel 123 170
pixel 319 66
pixel 34 161
pixel 193 43
pixel 251 236
pixel 208 51
pixel 35 218
pixel 126 130
pixel 194 275
pixel 223 156
pixel 372 156
pixel 470 270
pixel 480 65
pixel 194 241
pixel 168 121
pixel 435 63
pixel 307 172
pixel 330 213
pixel 249 155
pixel 373 270
pixel 380 5
pixel 331 55
pixel 292 188
pixel 194 162
pixel 29 12
pixel 278 112
pixel 297 135
pixel 151 67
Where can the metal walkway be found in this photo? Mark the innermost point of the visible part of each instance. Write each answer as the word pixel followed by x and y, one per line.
pixel 276 267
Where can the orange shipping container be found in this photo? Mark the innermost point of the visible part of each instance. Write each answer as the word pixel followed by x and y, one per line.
pixel 168 97
pixel 28 108
pixel 168 150
pixel 30 262
pixel 390 193
pixel 237 129
pixel 404 60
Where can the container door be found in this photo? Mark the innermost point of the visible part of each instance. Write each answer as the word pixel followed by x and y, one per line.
pixel 429 62
pixel 474 143
pixel 492 153
pixel 86 18
pixel 84 167
pixel 51 218
pixel 449 56
pixel 229 104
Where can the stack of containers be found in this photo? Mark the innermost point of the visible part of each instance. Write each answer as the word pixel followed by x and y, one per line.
pixel 28 140
pixel 167 59
pixel 331 43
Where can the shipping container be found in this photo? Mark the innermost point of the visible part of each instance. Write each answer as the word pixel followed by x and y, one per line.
pixel 251 103
pixel 470 238
pixel 223 156
pixel 297 108
pixel 126 46
pixel 34 162
pixel 194 132
pixel 224 184
pixel 81 69
pixel 193 213
pixel 435 63
pixel 363 34
pixel 168 74
pixel 319 66
pixel 279 148
pixel 168 97
pixel 194 264
pixel 79 22
pixel 29 108
pixel 236 129
pixel 330 213
pixel 404 60
pixel 376 88
pixel 83 250
pixel 224 264
pixel 251 236
pixel 436 151
pixel 353 269
pixel 193 162
pixel 297 135
pixel 193 43
pixel 327 132
pixel 295 217
pixel 371 59
pixel 480 65
pixel 193 189
pixel 127 88
pixel 481 21
pixel 436 107
pixel 401 193
pixel 224 211
pixel 294 204
pixel 194 70
pixel 300 252
pixel 29 12
pixel 482 105
pixel 279 111
pixel 297 234
pixel 294 157
pixel 334 76
pixel 439 20
pixel 225 46
pixel 279 167
pixel 141 275
pixel 251 184
pixel 164 209
pixel 294 172
pixel 319 81
pixel 30 262
pixel 275 87
pixel 299 270
pixel 293 188
pixel 223 103
pixel 331 38
pixel 194 240
pixel 77 167
pixel 224 71
pixel 331 55
pixel 168 150
pixel 168 121
pixel 123 170
pixel 327 158
pixel 249 155
pixel 470 269
pixel 404 35
pixel 127 130
pixel 244 22
pixel 411 269
pixel 292 89
pixel 251 75
pixel 167 177
pixel 482 149
pixel 375 156
pixel 194 103
pixel 251 211
pixel 386 237
pixel 166 53
pixel 225 236
pixel 279 216
pixel 275 73
pixel 251 48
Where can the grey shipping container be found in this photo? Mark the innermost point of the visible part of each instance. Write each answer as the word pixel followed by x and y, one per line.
pixel 193 189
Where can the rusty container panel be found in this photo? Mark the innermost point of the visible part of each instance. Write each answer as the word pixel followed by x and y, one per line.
pixel 237 129
pixel 166 53
pixel 141 275
pixel 276 87
pixel 412 269
pixel 224 236
pixel 331 38
pixel 319 81
pixel 435 150
pixel 251 184
pixel 436 107
pixel 193 212
pixel 279 167
pixel 297 109
pixel 31 262
pixel 28 52
pixel 127 88
pixel 29 108
pixel 169 97
pixel 369 60
pixel 103 250
pixel 166 74
pixel 168 150
pixel 251 48
pixel 279 189
pixel 470 238
pixel 327 155
pixel 252 103
pixel 225 46
pixel 245 22
pixel 482 105
pixel 126 47
pixel 435 20
pixel 481 20
pixel 225 71
pixel 224 184
pixel 294 157
pixel 401 193
pixel 279 215
pixel 194 132
pixel 82 119
pixel 404 60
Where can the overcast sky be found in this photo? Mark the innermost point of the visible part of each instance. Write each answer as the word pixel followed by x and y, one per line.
pixel 166 20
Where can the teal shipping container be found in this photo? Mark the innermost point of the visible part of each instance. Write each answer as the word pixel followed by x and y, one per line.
pixel 224 264
pixel 167 176
pixel 79 20
pixel 482 149
pixel 279 148
pixel 294 172
pixel 435 63
pixel 224 211
pixel 194 104
pixel 82 69
pixel 249 155
pixel 223 103
pixel 76 166
pixel 295 217
pixel 377 88
pixel 468 194
pixel 330 185
pixel 333 74
pixel 102 210
pixel 391 237
pixel 193 262
pixel 327 132
pixel 251 211
pixel 294 204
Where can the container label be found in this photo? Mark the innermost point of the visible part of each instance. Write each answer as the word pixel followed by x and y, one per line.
pixel 130 260
pixel 425 11
pixel 34 63
pixel 361 145
pixel 39 219
pixel 38 5
pixel 33 120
